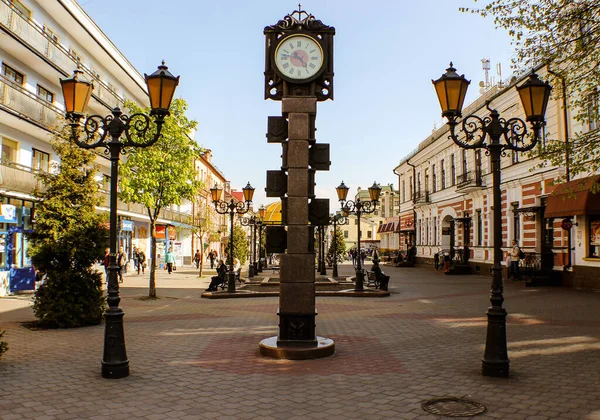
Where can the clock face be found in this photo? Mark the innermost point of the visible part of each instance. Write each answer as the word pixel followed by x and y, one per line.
pixel 299 57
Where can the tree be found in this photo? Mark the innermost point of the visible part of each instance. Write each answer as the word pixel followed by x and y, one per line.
pixel 68 239
pixel 564 35
pixel 201 225
pixel 337 247
pixel 163 174
pixel 240 244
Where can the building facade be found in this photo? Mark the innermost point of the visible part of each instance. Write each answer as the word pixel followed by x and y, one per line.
pixel 446 200
pixel 42 41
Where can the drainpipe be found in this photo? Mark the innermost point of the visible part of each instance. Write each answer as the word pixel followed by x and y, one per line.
pixel 414 168
pixel 567 163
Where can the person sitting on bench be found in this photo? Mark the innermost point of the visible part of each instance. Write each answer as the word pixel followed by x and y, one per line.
pixel 215 281
pixel 381 280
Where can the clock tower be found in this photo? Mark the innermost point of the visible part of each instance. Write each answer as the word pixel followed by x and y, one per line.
pixel 299 73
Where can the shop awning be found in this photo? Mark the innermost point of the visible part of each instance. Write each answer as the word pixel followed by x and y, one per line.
pixel 574 198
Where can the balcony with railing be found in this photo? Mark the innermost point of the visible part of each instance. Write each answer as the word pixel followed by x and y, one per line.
pixel 34 37
pixel 20 101
pixel 166 214
pixel 421 197
pixel 469 181
pixel 18 178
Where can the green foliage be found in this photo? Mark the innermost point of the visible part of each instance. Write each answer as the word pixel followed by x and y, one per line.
pixel 240 244
pixel 68 239
pixel 3 344
pixel 338 249
pixel 565 35
pixel 163 174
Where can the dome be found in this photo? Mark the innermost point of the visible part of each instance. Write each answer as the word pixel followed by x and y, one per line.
pixel 273 213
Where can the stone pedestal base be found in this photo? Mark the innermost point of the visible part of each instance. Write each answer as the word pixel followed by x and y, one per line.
pixel 324 347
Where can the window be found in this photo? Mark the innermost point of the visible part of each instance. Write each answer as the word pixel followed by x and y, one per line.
pixel 360 234
pixel 369 234
pixel 594 226
pixel 452 170
pixel 20 8
pixel 479 228
pixel 41 161
pixel 515 157
pixel 435 231
pixel 411 189
pixel 419 183
pixel 45 94
pixel 465 166
pixel 593 111
pixel 443 174
pixel 356 221
pixel 9 150
pixel 433 178
pixel 12 74
pixel 105 183
pixel 345 234
pixel 426 180
pixel 516 222
pixel 403 191
pixel 477 165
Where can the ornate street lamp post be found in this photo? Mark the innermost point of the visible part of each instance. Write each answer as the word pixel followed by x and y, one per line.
pixel 495 135
pixel 359 207
pixel 105 132
pixel 223 207
pixel 253 221
pixel 337 219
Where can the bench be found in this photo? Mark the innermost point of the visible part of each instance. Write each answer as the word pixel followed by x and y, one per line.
pixel 380 282
pixel 223 283
pixel 275 268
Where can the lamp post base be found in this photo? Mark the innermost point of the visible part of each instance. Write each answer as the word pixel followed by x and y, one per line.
pixel 495 361
pixel 230 282
pixel 360 281
pixel 115 364
pixel 251 270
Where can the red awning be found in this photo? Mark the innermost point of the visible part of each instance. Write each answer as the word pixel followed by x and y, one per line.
pixel 573 198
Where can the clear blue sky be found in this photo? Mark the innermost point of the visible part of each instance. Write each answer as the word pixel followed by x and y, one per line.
pixel 386 53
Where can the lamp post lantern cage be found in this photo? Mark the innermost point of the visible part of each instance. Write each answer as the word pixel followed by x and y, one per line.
pixel 106 132
pixel 495 135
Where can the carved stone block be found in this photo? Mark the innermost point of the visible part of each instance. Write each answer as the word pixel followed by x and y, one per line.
pixel 318 211
pixel 297 297
pixel 319 157
pixel 297 211
pixel 277 129
pixel 297 183
pixel 299 126
pixel 275 239
pixel 300 238
pixel 298 105
pixel 277 184
pixel 297 268
pixel 298 154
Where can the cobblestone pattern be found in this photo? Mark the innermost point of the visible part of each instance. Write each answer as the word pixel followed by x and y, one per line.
pixel 194 358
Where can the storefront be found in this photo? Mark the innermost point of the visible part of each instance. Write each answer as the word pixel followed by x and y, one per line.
pixel 16 271
pixel 577 209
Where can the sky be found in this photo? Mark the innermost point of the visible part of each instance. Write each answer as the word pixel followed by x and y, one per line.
pixel 385 55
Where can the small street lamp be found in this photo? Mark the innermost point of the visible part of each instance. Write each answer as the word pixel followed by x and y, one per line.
pixel 358 207
pixel 336 220
pixel 105 132
pixel 495 135
pixel 253 221
pixel 223 207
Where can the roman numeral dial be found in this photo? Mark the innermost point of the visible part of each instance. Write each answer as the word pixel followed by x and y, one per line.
pixel 299 57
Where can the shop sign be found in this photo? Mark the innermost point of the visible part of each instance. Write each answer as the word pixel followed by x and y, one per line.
pixel 8 213
pixel 127 225
pixel 566 224
pixel 160 232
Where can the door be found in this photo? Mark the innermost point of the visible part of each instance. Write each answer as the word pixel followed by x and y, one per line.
pixel 22 274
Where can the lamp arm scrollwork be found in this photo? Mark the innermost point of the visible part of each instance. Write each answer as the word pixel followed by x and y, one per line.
pixel 474 129
pixel 140 124
pixel 221 207
pixel 516 136
pixel 94 128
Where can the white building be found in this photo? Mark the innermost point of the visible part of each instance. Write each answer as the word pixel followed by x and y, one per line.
pixel 42 41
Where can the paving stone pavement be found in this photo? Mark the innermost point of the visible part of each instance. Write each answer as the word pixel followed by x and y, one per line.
pixel 193 358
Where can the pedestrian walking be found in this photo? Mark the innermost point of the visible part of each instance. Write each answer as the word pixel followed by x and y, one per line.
pixel 136 259
pixel 515 256
pixel 170 260
pixel 212 258
pixel 141 261
pixel 197 258
pixel 106 262
pixel 121 262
